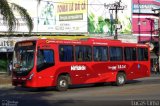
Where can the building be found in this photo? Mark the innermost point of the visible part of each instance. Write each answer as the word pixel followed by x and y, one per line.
pixel 146 26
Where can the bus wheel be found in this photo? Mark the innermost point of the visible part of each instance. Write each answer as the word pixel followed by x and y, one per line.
pixel 121 79
pixel 62 83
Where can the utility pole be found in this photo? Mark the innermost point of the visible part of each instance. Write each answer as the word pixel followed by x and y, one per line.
pixel 115 7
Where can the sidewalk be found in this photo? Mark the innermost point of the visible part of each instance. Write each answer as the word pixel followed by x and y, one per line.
pixel 155 75
pixel 152 76
pixel 5 79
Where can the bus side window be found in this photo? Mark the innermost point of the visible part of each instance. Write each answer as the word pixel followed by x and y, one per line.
pixel 66 53
pixel 130 54
pixel 83 53
pixel 79 53
pixel 40 58
pixel 62 54
pixel 45 59
pixel 88 53
pixel 116 53
pixel 80 56
pixel 100 53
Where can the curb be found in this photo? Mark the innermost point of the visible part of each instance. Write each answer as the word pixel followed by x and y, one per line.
pixel 5 85
pixel 149 78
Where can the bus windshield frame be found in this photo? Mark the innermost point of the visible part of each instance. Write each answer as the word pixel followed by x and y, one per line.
pixel 24 57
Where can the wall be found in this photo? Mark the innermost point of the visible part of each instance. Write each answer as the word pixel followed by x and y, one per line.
pixel 145 21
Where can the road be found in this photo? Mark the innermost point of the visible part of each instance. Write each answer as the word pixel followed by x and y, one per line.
pixel 144 92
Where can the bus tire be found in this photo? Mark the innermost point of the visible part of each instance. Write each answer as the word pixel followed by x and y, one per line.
pixel 62 83
pixel 120 79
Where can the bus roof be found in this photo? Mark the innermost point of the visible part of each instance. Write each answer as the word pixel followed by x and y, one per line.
pixel 94 41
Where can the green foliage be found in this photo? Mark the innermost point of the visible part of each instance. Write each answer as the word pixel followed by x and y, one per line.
pixel 110 25
pixel 9 18
pixel 24 14
pixel 91 23
pixel 3 65
pixel 126 26
pixel 98 27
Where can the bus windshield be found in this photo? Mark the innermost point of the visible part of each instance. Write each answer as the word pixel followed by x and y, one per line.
pixel 23 60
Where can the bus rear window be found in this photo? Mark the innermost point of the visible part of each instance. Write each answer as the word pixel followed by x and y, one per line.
pixel 142 54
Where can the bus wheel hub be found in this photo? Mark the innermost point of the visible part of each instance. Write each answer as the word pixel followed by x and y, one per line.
pixel 120 79
pixel 63 83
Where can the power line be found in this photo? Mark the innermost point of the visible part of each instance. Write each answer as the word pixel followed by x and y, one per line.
pixel 69 2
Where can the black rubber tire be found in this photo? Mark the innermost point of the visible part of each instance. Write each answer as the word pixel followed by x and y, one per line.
pixel 120 79
pixel 62 83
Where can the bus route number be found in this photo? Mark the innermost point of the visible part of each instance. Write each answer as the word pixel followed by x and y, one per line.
pixel 121 66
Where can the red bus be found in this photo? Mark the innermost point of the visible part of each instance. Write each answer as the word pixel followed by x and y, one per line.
pixel 60 63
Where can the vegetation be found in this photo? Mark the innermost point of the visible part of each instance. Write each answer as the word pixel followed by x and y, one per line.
pixel 127 26
pixel 107 25
pixel 99 27
pixel 7 11
pixel 3 63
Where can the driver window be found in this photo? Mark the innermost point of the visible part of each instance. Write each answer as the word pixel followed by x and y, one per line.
pixel 45 59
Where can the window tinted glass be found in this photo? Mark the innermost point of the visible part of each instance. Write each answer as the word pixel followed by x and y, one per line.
pixel 130 54
pixel 116 54
pixel 45 59
pixel 66 53
pixel 142 54
pixel 83 53
pixel 100 53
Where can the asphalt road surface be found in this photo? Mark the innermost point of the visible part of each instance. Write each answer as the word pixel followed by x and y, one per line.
pixel 140 92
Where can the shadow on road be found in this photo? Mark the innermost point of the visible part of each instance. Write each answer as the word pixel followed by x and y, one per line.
pixel 35 89
pixel 48 96
pixel 23 97
pixel 82 86
pixel 133 82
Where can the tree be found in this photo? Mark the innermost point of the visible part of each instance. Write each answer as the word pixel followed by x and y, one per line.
pixel 100 25
pixel 7 11
pixel 91 23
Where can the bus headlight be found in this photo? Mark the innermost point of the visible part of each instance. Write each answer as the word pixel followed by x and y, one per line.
pixel 31 76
